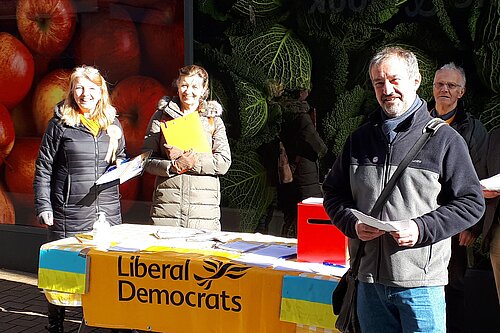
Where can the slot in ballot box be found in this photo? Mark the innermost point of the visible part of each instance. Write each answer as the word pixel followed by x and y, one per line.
pixel 318 240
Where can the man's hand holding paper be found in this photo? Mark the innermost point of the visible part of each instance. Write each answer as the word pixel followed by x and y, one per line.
pixel 405 232
pixel 491 183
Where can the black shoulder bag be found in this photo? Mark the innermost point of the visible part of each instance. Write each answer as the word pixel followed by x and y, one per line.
pixel 344 295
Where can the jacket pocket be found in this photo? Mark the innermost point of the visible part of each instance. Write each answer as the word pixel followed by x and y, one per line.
pixel 67 189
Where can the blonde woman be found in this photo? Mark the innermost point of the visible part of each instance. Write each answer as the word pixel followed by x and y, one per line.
pixel 81 141
pixel 187 188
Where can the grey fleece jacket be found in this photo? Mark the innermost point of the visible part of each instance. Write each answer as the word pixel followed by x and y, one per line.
pixel 439 190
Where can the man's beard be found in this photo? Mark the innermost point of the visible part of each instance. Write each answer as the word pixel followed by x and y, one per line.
pixel 394 109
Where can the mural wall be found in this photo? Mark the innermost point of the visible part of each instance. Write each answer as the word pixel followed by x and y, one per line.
pixel 138 45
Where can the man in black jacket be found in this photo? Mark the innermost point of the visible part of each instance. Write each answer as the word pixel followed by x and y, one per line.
pixel 449 87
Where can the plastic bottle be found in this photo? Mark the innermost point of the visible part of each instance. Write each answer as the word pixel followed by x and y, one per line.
pixel 101 232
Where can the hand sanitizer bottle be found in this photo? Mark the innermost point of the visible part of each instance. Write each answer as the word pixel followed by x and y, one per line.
pixel 101 232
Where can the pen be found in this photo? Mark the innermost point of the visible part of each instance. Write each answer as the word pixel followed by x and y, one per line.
pixel 328 263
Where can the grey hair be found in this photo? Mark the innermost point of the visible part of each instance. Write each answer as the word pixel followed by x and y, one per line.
pixel 452 66
pixel 395 51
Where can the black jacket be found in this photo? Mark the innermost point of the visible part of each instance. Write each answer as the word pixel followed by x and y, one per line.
pixel 476 138
pixel 69 162
pixel 303 147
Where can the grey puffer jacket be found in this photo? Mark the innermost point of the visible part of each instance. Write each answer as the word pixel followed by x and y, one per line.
pixel 191 199
pixel 69 162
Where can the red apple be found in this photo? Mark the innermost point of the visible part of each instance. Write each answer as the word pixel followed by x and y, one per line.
pixel 7 133
pixel 46 26
pixel 7 213
pixel 20 165
pixel 49 91
pixel 108 40
pixel 162 37
pixel 17 69
pixel 135 100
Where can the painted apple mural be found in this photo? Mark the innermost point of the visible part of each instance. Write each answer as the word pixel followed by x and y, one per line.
pixel 49 91
pixel 20 165
pixel 135 99
pixel 46 26
pixel 137 45
pixel 162 36
pixel 7 212
pixel 19 176
pixel 17 70
pixel 22 117
pixel 109 41
pixel 7 133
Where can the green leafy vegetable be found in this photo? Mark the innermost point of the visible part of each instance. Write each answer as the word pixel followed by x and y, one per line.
pixel 280 53
pixel 245 186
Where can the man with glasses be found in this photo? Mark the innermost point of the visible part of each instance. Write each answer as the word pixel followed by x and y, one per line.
pixel 449 87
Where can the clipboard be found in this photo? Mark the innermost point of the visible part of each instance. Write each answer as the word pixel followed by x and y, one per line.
pixel 126 170
pixel 186 133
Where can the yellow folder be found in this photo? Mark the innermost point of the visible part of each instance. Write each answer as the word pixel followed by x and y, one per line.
pixel 186 133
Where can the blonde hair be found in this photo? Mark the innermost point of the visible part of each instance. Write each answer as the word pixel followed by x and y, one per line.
pixel 104 113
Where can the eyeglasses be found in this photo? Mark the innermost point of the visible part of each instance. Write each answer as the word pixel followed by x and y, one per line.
pixel 449 85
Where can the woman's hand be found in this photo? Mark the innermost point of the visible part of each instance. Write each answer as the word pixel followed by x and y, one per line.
pixel 185 162
pixel 172 152
pixel 490 194
pixel 46 218
pixel 115 133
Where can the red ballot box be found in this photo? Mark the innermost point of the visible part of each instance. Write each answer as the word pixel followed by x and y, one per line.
pixel 318 240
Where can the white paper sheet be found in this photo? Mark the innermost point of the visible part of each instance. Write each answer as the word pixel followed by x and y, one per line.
pixel 125 171
pixel 382 225
pixel 491 183
pixel 313 200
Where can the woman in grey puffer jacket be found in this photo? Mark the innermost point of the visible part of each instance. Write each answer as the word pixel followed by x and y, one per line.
pixel 187 188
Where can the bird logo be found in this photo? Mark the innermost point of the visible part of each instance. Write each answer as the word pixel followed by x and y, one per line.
pixel 219 269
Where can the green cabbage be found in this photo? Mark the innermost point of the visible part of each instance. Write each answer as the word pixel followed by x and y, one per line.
pixel 245 186
pixel 281 55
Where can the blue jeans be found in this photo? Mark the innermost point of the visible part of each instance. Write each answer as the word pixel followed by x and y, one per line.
pixel 394 309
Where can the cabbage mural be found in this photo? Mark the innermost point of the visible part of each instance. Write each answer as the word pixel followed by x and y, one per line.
pixel 257 50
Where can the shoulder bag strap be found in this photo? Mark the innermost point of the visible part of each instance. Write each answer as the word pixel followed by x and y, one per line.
pixel 429 130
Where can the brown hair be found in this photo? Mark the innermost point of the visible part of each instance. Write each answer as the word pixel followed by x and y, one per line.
pixel 192 70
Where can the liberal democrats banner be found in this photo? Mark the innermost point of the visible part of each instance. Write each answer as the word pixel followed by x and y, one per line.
pixel 179 293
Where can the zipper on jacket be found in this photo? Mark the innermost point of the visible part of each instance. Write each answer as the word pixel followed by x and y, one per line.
pixel 386 172
pixel 96 168
pixel 68 189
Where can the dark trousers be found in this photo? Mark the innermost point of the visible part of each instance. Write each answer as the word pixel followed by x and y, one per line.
pixel 455 290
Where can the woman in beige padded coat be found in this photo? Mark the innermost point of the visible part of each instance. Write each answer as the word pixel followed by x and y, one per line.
pixel 187 189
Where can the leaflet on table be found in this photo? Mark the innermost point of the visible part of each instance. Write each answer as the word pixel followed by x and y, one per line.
pixel 382 225
pixel 125 170
pixel 491 183
pixel 240 246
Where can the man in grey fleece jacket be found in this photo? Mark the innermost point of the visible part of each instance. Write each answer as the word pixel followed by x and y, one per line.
pixel 402 274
